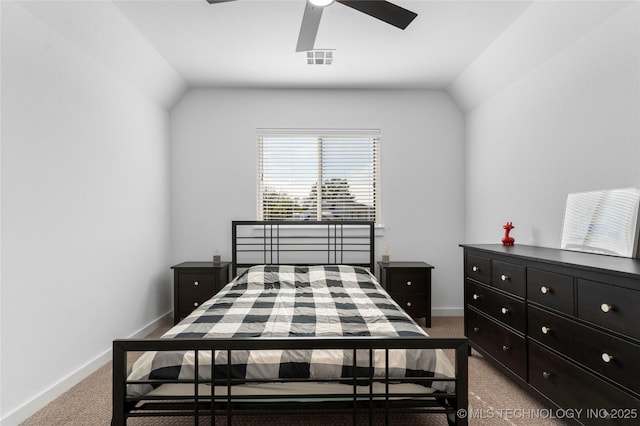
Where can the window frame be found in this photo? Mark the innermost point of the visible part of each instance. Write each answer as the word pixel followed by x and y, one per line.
pixel 374 135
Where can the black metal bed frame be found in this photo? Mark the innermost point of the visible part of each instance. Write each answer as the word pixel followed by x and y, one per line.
pixel 277 240
pixel 220 399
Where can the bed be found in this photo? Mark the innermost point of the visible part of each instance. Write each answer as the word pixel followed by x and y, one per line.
pixel 289 333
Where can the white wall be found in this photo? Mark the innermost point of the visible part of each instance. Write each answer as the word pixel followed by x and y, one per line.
pixel 570 124
pixel 213 161
pixel 85 212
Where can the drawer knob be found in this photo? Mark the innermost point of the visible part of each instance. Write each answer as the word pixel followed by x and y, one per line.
pixel 546 375
pixel 408 303
pixel 196 283
pixel 408 282
pixel 504 277
pixel 545 290
pixel 476 296
pixel 504 310
pixel 606 308
pixel 606 357
pixel 475 269
pixel 476 329
pixel 545 330
pixel 195 304
pixel 505 348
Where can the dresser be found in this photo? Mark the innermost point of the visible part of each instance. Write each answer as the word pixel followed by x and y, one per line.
pixel 194 283
pixel 565 324
pixel 409 284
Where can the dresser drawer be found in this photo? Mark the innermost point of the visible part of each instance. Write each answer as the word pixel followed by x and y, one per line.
pixel 478 268
pixel 609 306
pixel 196 283
pixel 551 290
pixel 505 346
pixel 507 310
pixel 571 387
pixel 508 277
pixel 407 281
pixel 413 304
pixel 614 358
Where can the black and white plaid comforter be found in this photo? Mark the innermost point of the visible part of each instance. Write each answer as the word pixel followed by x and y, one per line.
pixel 280 301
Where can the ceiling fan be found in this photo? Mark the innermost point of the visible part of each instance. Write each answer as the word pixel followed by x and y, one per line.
pixel 380 9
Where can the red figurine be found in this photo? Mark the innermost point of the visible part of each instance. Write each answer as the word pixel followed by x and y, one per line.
pixel 507 240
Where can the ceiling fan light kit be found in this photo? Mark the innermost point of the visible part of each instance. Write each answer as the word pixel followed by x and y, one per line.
pixel 321 3
pixel 383 10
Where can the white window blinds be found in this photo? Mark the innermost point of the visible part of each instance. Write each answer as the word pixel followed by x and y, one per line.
pixel 332 175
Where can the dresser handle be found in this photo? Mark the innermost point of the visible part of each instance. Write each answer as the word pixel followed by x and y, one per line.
pixel 505 348
pixel 504 277
pixel 606 357
pixel 546 375
pixel 409 304
pixel 545 330
pixel 195 304
pixel 545 290
pixel 476 329
pixel 408 282
pixel 476 296
pixel 606 308
pixel 196 283
pixel 504 310
pixel 475 269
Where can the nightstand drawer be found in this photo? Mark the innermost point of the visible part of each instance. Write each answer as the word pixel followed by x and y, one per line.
pixel 404 281
pixel 409 284
pixel 196 283
pixel 188 303
pixel 414 305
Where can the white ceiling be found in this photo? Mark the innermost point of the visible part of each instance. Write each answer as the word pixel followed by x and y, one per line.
pixel 251 43
pixel 472 48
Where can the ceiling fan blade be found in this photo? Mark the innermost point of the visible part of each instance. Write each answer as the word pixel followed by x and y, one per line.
pixel 383 10
pixel 309 27
pixel 218 1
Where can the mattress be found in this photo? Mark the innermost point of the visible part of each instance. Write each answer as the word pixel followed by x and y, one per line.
pixel 304 301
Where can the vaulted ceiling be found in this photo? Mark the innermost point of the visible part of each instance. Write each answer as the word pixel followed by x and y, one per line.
pixel 167 46
pixel 252 42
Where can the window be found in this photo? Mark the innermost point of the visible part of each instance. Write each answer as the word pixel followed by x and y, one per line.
pixel 319 175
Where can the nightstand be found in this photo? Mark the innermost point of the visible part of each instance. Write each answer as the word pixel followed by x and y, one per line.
pixel 194 283
pixel 409 284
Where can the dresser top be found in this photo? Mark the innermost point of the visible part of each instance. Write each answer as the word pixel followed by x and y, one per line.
pixel 564 257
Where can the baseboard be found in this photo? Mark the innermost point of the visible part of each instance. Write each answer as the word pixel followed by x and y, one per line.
pixel 39 402
pixel 447 312
pixel 166 319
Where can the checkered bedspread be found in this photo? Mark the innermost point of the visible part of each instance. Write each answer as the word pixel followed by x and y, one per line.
pixel 280 301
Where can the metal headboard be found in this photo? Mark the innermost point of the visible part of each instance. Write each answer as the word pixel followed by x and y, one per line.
pixel 302 243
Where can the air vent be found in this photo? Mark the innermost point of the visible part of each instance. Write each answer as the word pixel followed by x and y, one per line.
pixel 320 57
